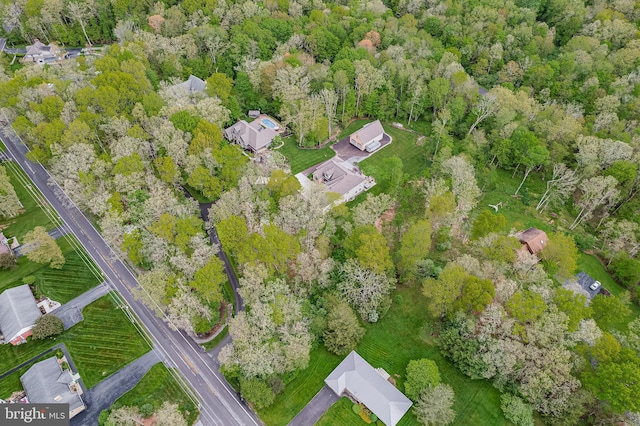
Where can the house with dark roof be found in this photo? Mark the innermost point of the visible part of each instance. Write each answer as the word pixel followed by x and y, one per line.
pixel 40 53
pixel 589 286
pixel 192 86
pixel 47 383
pixel 358 380
pixel 369 137
pixel 18 313
pixel 533 240
pixel 255 136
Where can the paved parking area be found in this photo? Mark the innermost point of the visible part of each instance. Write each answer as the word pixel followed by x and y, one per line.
pixel 350 153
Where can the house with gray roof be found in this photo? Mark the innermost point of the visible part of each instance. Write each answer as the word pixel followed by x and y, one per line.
pixel 340 177
pixel 369 137
pixel 357 379
pixel 18 313
pixel 47 383
pixel 41 53
pixel 192 86
pixel 252 136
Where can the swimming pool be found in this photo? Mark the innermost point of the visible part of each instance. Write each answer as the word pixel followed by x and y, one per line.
pixel 269 124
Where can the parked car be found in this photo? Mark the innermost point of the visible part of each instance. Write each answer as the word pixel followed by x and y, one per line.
pixel 595 286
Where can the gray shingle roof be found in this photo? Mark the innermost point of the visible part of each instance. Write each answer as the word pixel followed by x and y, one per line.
pixel 45 382
pixel 361 380
pixel 337 176
pixel 369 132
pixel 250 135
pixel 18 309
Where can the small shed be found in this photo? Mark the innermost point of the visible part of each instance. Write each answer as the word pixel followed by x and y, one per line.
pixel 533 240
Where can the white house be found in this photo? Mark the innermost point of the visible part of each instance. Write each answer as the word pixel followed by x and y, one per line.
pixel 369 137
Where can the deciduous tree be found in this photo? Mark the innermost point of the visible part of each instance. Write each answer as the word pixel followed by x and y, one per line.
pixel 343 331
pixel 422 374
pixel 434 407
pixel 40 247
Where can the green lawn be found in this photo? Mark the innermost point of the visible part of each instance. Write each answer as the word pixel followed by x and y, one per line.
pixel 403 146
pixel 60 285
pixel 402 335
pixel 340 413
pixel 157 386
pixel 519 211
pixel 301 389
pixel 302 159
pixel 34 214
pixel 100 345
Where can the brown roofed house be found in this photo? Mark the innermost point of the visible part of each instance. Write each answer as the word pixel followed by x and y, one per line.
pixel 533 240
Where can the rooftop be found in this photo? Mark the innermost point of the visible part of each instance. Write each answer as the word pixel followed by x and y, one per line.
pixel 18 310
pixel 357 377
pixel 46 382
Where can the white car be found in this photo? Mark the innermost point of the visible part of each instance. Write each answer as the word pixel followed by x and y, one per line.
pixel 595 286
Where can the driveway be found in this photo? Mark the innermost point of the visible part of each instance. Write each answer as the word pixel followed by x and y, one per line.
pixel 347 152
pixel 54 233
pixel 104 394
pixel 312 412
pixel 71 312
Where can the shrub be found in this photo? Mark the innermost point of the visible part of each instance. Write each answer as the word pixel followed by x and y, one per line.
pixel 29 279
pixel 356 408
pixel 421 374
pixel 146 410
pixel 46 326
pixel 257 392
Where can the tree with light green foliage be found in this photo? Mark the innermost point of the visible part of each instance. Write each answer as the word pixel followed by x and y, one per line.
pixel 487 222
pixel 422 374
pixel 560 255
pixel 40 247
pixel 414 246
pixel 209 279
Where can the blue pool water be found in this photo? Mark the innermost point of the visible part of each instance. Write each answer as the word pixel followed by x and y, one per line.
pixel 268 123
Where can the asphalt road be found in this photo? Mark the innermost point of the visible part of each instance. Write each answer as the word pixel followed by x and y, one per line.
pixel 219 403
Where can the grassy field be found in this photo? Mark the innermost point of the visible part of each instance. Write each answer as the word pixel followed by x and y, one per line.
pixel 60 285
pixel 403 146
pixel 401 336
pixel 520 210
pixel 156 386
pixel 34 214
pixel 340 413
pixel 302 159
pixel 301 389
pixel 100 345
